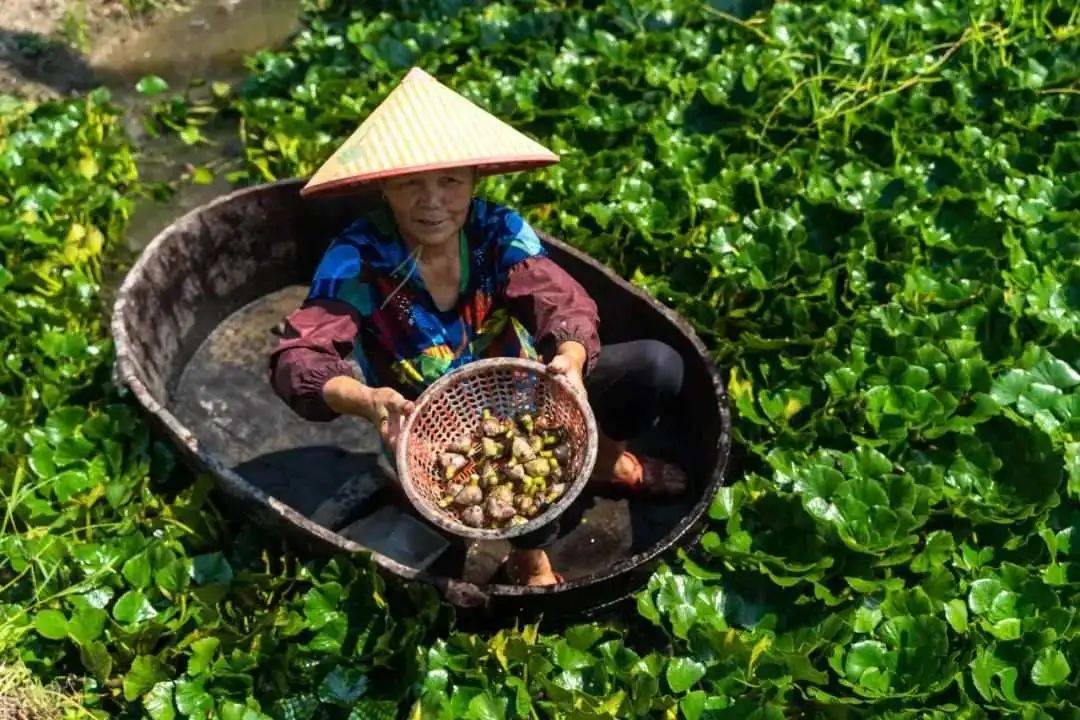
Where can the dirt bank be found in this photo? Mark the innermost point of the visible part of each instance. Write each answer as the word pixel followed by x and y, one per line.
pixel 45 44
pixel 51 48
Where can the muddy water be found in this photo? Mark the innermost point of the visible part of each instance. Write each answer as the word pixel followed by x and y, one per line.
pixel 207 40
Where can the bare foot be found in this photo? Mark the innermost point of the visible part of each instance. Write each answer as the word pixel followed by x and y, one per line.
pixel 531 567
pixel 646 475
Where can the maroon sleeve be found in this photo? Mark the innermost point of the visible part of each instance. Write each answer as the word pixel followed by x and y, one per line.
pixel 553 306
pixel 314 342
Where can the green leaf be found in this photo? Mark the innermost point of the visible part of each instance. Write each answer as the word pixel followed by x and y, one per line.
pixel 938 549
pixel 863 657
pixel 211 569
pixel 70 483
pixel 343 686
pixel 1051 371
pixel 1051 668
pixel 749 77
pixel 983 669
pixel 202 176
pixel 866 619
pixel 583 637
pixel 41 461
pixel 174 576
pixel 192 699
pixel 151 85
pixel 570 658
pixel 486 707
pixel 191 135
pixel 1008 629
pixel 318 609
pixel 1072 464
pixel 394 52
pixel 1038 397
pixel 742 391
pixel 842 382
pixel 683 673
pixel 646 607
pixel 299 706
pixel 956 614
pixel 982 593
pixel 63 422
pixel 202 655
pixel 71 450
pixel 366 709
pixel 693 705
pixel 133 607
pixel 97 660
pixel 86 624
pixel 146 672
pixel 137 570
pixel 872 463
pixel 460 699
pixel 159 702
pixel 51 624
pixel 1010 386
pixel 233 710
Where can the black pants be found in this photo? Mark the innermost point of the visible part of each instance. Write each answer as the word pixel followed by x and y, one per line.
pixel 631 386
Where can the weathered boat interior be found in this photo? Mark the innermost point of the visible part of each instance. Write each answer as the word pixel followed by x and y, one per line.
pixel 194 324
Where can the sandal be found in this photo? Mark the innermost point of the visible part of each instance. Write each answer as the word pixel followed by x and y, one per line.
pixel 656 478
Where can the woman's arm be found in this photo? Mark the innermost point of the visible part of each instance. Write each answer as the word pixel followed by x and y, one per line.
pixel 308 369
pixel 555 308
pixel 309 372
pixel 311 351
pixel 561 316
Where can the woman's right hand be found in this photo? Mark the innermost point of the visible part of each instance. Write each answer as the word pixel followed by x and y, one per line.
pixel 383 407
pixel 389 410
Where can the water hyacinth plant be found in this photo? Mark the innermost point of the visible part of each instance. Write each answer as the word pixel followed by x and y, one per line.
pixel 870 213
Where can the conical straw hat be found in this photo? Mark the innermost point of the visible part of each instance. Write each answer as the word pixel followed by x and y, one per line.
pixel 424 125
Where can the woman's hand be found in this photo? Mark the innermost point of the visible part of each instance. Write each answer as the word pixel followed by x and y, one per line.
pixel 383 407
pixel 570 360
pixel 388 412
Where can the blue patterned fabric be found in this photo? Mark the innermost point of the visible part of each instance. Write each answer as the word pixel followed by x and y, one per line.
pixel 405 339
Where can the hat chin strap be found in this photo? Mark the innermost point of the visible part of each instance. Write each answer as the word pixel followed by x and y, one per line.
pixel 414 256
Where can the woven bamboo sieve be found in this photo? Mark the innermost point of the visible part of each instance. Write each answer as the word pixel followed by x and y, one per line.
pixel 451 407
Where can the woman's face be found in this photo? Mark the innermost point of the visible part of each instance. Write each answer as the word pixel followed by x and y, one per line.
pixel 430 207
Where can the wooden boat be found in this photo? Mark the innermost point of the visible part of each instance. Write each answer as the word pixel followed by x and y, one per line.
pixel 193 324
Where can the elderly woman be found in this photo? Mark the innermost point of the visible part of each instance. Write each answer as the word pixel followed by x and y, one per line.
pixel 438 278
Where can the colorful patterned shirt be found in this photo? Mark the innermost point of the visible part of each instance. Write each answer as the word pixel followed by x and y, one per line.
pixel 368 296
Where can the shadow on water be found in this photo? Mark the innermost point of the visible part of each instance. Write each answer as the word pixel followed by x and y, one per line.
pixel 43 61
pixel 208 39
pixel 320 481
pixel 207 42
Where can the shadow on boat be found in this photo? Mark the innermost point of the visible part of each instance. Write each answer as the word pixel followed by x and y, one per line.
pixel 194 323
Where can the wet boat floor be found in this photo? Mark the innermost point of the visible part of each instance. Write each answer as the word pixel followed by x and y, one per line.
pixel 329 470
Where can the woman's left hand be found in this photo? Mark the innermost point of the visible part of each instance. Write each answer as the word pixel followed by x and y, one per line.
pixel 570 360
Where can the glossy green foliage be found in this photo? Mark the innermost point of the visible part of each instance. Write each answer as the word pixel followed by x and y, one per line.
pixel 868 211
pixel 115 569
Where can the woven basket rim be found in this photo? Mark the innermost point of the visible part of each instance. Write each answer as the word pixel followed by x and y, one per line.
pixel 443 384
